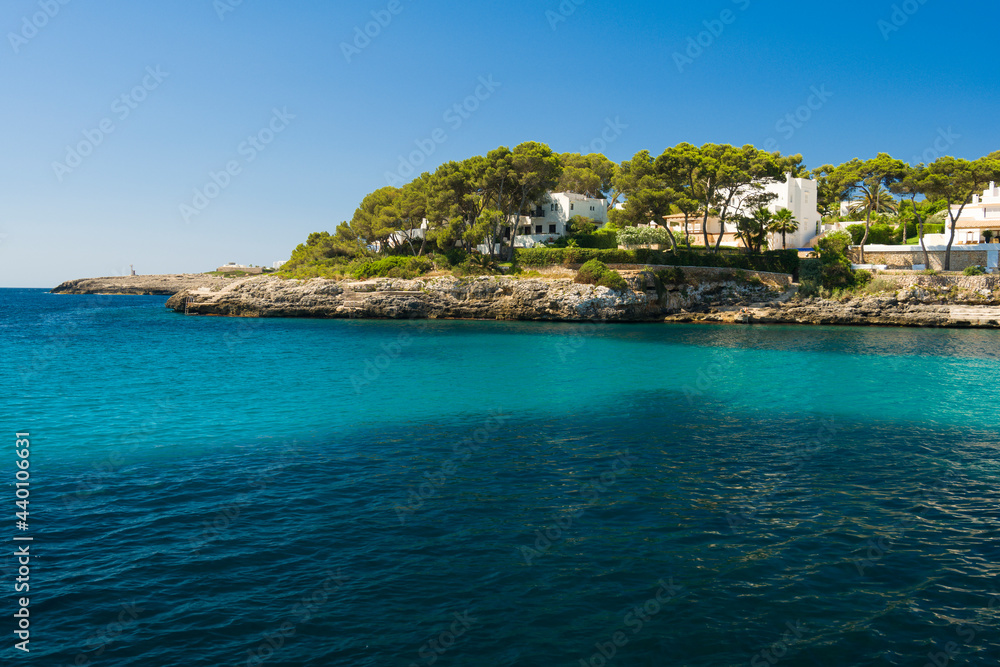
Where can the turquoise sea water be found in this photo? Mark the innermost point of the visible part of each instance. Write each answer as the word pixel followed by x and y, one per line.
pixel 210 491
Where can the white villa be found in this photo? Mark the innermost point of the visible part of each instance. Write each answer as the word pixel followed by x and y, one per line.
pixel 550 219
pixel 798 195
pixel 978 217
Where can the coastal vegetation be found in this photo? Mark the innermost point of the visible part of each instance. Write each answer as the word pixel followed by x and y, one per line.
pixel 596 272
pixel 465 217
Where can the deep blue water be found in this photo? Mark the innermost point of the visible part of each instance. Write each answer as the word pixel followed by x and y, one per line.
pixel 486 493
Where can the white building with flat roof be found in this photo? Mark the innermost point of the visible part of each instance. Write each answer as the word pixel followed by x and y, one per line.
pixel 550 219
pixel 979 216
pixel 798 195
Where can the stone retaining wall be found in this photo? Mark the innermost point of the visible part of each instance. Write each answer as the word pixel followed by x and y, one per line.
pixel 702 274
pixel 905 257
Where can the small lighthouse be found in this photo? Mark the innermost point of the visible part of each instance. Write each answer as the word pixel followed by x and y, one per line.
pixel 132 268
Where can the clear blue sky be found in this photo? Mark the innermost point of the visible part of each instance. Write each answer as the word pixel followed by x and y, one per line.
pixel 223 73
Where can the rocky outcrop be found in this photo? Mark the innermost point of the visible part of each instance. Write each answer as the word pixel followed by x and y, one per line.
pixel 482 298
pixel 879 311
pixel 706 295
pixel 721 299
pixel 891 299
pixel 485 298
pixel 155 285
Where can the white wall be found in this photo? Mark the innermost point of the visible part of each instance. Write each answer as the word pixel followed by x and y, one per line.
pixel 798 195
pixel 557 210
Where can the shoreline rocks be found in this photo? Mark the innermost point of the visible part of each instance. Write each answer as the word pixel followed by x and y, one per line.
pixel 156 285
pixel 919 301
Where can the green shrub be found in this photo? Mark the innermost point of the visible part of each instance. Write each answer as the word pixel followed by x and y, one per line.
pixel 837 275
pixel 394 266
pixel 810 277
pixel 862 277
pixel 878 234
pixel 879 286
pixel 808 290
pixel 613 280
pixel 591 272
pixel 973 271
pixel 456 256
pixel 595 272
pixel 928 272
pixel 674 274
pixel 939 218
pixel 774 261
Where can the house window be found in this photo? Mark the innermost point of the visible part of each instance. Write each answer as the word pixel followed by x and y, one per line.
pixel 552 229
pixel 538 229
pixel 552 207
pixel 526 230
pixel 571 206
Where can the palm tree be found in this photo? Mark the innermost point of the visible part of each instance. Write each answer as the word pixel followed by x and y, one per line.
pixel 752 229
pixel 874 198
pixel 784 223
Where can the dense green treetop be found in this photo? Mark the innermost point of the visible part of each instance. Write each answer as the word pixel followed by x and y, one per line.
pixel 482 199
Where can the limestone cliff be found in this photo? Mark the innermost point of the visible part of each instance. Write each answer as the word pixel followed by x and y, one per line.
pixel 138 285
pixel 482 298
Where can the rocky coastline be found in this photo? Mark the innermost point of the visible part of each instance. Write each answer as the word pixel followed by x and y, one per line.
pixel 705 296
pixel 708 296
pixel 161 285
